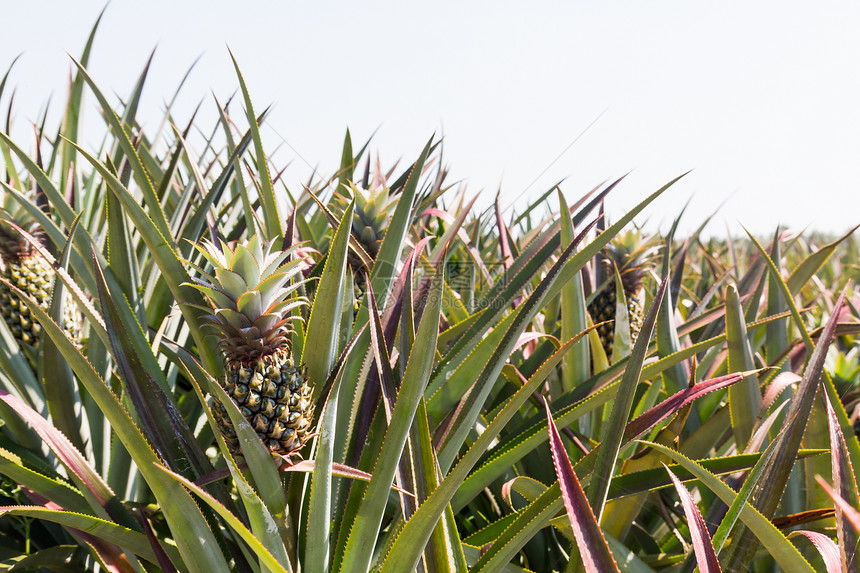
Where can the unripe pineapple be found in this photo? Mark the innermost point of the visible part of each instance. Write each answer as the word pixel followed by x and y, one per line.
pixel 631 256
pixel 250 293
pixel 370 219
pixel 27 270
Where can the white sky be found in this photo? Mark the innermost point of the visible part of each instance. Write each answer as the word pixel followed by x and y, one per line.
pixel 760 99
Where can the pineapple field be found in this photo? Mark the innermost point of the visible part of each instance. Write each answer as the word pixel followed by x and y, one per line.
pixel 206 367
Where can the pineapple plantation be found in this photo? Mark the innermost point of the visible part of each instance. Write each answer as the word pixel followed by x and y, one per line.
pixel 206 368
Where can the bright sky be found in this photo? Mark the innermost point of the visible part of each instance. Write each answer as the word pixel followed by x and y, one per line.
pixel 760 99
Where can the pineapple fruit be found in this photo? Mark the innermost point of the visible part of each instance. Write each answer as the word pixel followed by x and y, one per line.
pixel 27 270
pixel 372 214
pixel 250 293
pixel 629 253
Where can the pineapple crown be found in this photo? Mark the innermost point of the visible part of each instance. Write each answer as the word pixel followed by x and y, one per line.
pixel 250 291
pixel 373 209
pixel 632 255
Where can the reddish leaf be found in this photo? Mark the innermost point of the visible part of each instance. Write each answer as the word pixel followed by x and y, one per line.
pixel 851 514
pixel 504 247
pixel 389 394
pixel 38 499
pixel 527 337
pixel 762 430
pixel 678 400
pixel 826 547
pixel 62 448
pixel 114 559
pixel 589 539
pixel 397 287
pixel 380 354
pixel 706 557
pixel 846 488
pixel 163 560
pixel 337 469
pixel 775 388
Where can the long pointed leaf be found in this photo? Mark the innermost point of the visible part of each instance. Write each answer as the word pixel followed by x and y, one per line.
pixel 469 410
pixel 846 487
pixel 592 545
pixel 320 510
pixel 322 332
pixel 574 317
pixel 850 513
pixel 826 548
pixel 705 555
pixel 766 497
pixel 272 532
pixel 744 398
pixel 139 172
pixel 110 532
pixel 268 201
pixel 174 272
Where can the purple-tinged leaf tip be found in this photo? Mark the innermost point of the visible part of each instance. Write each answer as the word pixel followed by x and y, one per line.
pixel 706 557
pixel 593 549
pixel 851 514
pixel 775 388
pixel 826 548
pixel 338 469
pixel 846 487
pixel 677 401
pixel 62 448
pixel 163 560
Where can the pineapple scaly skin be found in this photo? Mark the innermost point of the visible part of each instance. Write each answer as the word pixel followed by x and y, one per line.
pixel 631 256
pixel 275 398
pixel 28 271
pixel 602 308
pixel 636 316
pixel 31 275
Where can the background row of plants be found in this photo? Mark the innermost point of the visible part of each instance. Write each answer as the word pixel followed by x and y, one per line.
pixel 472 409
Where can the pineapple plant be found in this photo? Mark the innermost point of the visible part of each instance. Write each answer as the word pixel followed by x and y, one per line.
pixel 631 255
pixel 26 269
pixel 250 293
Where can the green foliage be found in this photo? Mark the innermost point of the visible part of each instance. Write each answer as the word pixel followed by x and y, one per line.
pixel 457 375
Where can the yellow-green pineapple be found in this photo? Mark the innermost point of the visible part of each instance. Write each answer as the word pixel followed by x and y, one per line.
pixel 250 290
pixel 26 269
pixel 631 255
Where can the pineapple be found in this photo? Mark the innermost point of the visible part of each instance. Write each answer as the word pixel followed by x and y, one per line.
pixel 631 256
pixel 26 269
pixel 373 210
pixel 250 295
